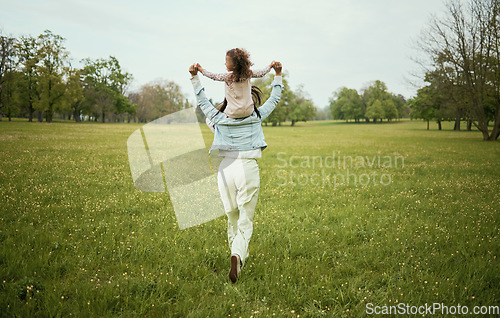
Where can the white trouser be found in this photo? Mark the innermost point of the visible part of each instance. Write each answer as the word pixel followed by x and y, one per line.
pixel 239 184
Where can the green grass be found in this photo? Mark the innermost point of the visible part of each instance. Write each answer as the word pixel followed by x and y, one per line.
pixel 76 237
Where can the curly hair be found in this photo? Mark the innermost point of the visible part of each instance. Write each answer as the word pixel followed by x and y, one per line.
pixel 241 61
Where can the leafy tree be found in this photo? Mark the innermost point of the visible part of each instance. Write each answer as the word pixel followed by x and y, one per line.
pixel 464 44
pixel 347 104
pixel 390 110
pixel 74 93
pixel 336 108
pixel 51 70
pixel 104 85
pixel 423 105
pixel 7 75
pixel 376 91
pixel 300 108
pixel 280 112
pixel 401 107
pixel 375 111
pixel 158 99
pixel 27 53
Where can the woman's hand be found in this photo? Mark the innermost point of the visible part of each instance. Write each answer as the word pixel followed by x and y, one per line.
pixel 272 64
pixel 277 68
pixel 193 69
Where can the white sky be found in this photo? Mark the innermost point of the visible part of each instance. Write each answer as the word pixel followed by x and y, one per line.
pixel 323 45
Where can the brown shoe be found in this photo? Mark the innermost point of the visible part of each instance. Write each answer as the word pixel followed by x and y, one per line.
pixel 235 268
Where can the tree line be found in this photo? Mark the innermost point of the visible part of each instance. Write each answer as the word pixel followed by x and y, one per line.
pixel 463 76
pixel 374 103
pixel 37 81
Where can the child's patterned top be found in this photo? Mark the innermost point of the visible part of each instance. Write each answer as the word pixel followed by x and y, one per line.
pixel 238 94
pixel 226 77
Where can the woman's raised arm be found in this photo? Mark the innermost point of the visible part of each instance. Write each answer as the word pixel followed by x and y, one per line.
pixel 205 105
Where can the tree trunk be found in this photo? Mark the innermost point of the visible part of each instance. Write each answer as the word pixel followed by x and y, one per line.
pixel 48 116
pixel 439 125
pixel 40 116
pixel 427 125
pixel 274 124
pixel 469 125
pixel 293 123
pixel 31 111
pixel 76 115
pixel 457 119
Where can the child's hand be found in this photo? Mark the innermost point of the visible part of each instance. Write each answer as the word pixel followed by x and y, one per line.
pixel 198 66
pixel 272 64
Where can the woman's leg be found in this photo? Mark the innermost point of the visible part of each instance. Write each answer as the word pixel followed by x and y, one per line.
pixel 239 184
pixel 248 185
pixel 227 189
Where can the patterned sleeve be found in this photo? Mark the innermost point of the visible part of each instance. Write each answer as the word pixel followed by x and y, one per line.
pixel 261 73
pixel 222 77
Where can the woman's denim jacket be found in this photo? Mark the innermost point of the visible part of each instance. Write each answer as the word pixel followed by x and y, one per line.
pixel 237 134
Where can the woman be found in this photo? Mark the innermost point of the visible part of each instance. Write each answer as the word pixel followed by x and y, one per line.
pixel 240 142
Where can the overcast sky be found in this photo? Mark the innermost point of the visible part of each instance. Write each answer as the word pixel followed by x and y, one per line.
pixel 323 45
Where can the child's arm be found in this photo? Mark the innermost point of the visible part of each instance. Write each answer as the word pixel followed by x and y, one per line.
pixel 262 72
pixel 222 77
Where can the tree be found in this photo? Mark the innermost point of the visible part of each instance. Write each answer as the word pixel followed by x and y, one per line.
pixel 376 91
pixel 53 59
pixel 7 75
pixel 423 105
pixel 390 110
pixel 347 104
pixel 375 111
pixel 27 52
pixel 465 44
pixel 301 108
pixel 157 99
pixel 280 112
pixel 401 107
pixel 74 93
pixel 104 86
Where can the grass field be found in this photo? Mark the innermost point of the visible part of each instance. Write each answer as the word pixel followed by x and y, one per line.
pixel 77 238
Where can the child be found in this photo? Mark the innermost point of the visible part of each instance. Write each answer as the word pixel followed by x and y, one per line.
pixel 238 101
